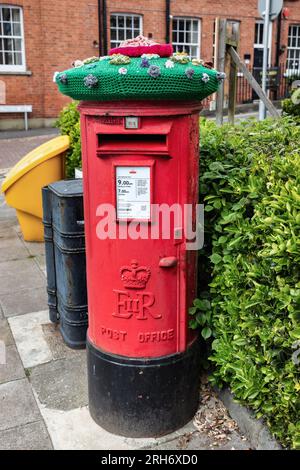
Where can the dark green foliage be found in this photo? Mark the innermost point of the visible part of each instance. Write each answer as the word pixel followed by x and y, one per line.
pixel 291 106
pixel 68 123
pixel 250 182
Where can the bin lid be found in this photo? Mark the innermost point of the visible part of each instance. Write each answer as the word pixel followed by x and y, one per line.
pixel 34 158
pixel 67 188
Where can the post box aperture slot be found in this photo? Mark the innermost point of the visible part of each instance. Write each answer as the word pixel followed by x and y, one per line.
pixel 133 191
pixel 133 143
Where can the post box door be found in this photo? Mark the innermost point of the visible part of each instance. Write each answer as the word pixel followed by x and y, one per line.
pixel 137 273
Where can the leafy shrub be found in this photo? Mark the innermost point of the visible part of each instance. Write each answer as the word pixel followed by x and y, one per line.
pixel 290 108
pixel 68 123
pixel 250 182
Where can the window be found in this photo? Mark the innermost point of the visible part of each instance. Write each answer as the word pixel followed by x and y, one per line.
pixel 186 36
pixel 259 34
pixel 124 26
pixel 259 44
pixel 12 56
pixel 293 52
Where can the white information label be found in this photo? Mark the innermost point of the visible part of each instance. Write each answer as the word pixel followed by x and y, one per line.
pixel 133 192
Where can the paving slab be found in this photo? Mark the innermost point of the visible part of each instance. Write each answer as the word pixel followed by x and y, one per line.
pixel 13 368
pixel 7 212
pixel 18 405
pixel 61 384
pixel 40 261
pixel 24 301
pixel 35 248
pixel 9 237
pixel 75 430
pixel 12 253
pixel 58 348
pixel 30 340
pixel 8 228
pixel 20 274
pixel 5 333
pixel 32 436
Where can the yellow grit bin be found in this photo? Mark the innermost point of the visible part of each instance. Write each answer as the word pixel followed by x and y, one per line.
pixel 23 184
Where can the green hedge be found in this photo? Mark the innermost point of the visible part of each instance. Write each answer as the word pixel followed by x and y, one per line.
pixel 68 123
pixel 250 264
pixel 291 106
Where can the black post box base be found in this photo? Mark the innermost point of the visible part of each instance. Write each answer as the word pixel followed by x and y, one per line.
pixel 143 397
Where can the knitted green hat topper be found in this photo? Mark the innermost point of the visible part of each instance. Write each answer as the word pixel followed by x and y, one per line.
pixel 149 76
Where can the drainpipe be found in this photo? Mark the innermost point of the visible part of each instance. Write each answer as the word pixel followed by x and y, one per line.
pixel 278 52
pixel 168 9
pixel 278 40
pixel 100 28
pixel 104 18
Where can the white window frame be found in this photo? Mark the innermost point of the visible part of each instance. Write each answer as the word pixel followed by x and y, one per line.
pixel 11 67
pixel 188 44
pixel 293 71
pixel 258 45
pixel 116 42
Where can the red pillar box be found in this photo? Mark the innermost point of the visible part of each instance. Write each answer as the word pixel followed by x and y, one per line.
pixel 143 363
pixel 140 164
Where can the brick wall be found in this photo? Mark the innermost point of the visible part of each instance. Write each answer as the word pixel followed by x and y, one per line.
pixel 56 32
pixel 59 31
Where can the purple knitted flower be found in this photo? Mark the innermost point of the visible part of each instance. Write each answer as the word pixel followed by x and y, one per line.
pixel 63 78
pixel 90 81
pixel 154 71
pixel 189 72
pixel 145 62
pixel 205 77
pixel 221 76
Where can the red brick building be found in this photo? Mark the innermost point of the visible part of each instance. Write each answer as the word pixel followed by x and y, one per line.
pixel 39 37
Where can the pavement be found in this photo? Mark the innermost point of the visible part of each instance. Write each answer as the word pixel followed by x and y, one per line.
pixel 16 144
pixel 43 383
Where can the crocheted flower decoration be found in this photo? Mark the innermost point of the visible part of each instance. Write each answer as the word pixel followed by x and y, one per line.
pixel 119 59
pixel 221 76
pixel 90 81
pixel 197 62
pixel 90 60
pixel 91 66
pixel 154 71
pixel 145 62
pixel 189 72
pixel 181 57
pixel 150 56
pixel 63 78
pixel 122 70
pixel 169 64
pixel 205 78
pixel 77 63
pixel 55 76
